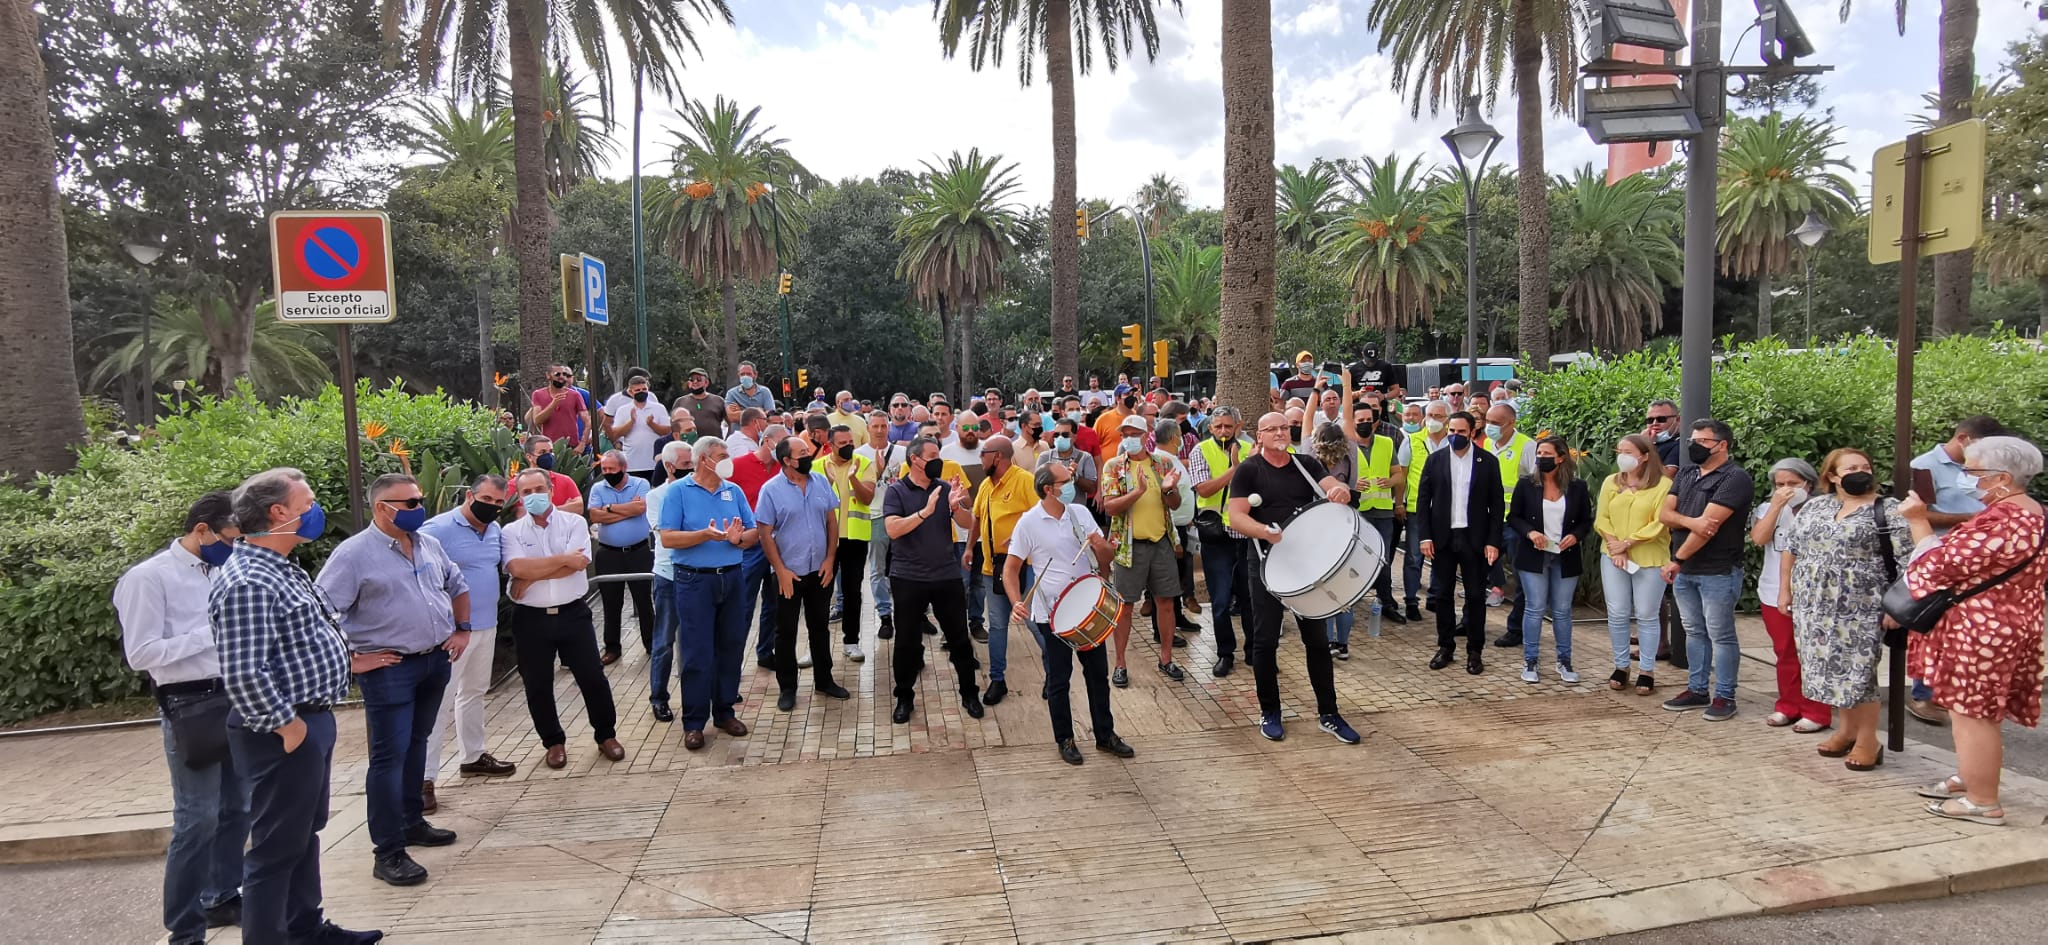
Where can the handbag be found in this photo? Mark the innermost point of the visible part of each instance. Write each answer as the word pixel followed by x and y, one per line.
pixel 1209 525
pixel 1921 614
pixel 199 725
pixel 1893 636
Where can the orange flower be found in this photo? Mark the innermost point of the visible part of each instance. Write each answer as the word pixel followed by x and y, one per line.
pixel 514 471
pixel 1376 229
pixel 499 379
pixel 1542 433
pixel 373 429
pixel 398 449
pixel 1415 235
pixel 698 190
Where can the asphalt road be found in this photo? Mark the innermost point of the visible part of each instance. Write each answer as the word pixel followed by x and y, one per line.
pixel 2006 916
pixel 101 902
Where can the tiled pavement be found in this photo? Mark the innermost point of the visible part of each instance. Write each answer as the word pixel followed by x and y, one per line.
pixel 1470 795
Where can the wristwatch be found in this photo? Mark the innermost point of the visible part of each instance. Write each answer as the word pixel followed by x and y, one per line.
pixel 462 626
pixel 1677 560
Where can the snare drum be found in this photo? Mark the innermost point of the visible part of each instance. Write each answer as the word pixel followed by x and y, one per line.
pixel 1327 558
pixel 1085 613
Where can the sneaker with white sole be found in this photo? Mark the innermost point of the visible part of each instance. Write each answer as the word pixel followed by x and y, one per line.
pixel 1335 725
pixel 1528 672
pixel 1567 674
pixel 853 652
pixel 1494 596
pixel 804 661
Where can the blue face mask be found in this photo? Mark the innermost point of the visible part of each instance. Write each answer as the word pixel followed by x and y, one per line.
pixel 410 520
pixel 1460 441
pixel 1493 431
pixel 1411 428
pixel 536 504
pixel 746 382
pixel 217 553
pixel 1063 443
pixel 1067 491
pixel 1134 444
pixel 545 460
pixel 313 524
pixel 847 406
pixel 1045 422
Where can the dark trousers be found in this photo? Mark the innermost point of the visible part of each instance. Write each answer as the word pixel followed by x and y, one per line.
pixel 811 600
pixel 541 638
pixel 711 640
pixel 1383 586
pixel 947 601
pixel 1059 674
pixel 1186 562
pixel 400 703
pixel 1223 566
pixel 1266 616
pixel 757 581
pixel 209 827
pixel 288 796
pixel 850 571
pixel 633 559
pixel 1461 554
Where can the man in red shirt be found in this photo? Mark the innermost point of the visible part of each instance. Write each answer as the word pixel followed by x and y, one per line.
pixel 563 492
pixel 556 408
pixel 1084 435
pixel 757 579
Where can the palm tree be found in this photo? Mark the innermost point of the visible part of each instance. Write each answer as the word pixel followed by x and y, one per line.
pixel 1444 50
pixel 1774 171
pixel 476 143
pixel 512 36
pixel 1308 200
pixel 36 293
pixel 284 357
pixel 1245 344
pixel 1066 33
pixel 958 228
pixel 1620 245
pixel 2015 245
pixel 1162 200
pixel 579 139
pixel 1395 244
pixel 1190 297
pixel 729 199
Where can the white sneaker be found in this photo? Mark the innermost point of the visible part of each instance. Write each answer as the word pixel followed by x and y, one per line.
pixel 1564 672
pixel 1528 672
pixel 1494 597
pixel 804 661
pixel 853 653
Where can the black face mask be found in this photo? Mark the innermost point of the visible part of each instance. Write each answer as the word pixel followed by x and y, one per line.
pixel 1699 452
pixel 1859 483
pixel 639 396
pixel 1459 442
pixel 545 461
pixel 845 452
pixel 615 478
pixel 934 468
pixel 1546 464
pixel 486 511
pixel 1365 429
pixel 803 466
pixel 558 383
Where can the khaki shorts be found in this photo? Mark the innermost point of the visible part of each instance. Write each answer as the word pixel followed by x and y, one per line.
pixel 1153 568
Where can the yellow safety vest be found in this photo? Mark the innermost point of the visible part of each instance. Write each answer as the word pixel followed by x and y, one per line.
pixel 853 513
pixel 1418 454
pixel 1217 460
pixel 1379 465
pixel 1510 456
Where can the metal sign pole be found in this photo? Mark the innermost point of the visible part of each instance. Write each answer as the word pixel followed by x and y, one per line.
pixel 347 358
pixel 1902 406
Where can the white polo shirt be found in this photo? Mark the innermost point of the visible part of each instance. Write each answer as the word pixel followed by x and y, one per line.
pixel 1052 546
pixel 637 443
pixel 563 533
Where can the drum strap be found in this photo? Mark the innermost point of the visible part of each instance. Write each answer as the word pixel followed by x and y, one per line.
pixel 1032 594
pixel 1315 489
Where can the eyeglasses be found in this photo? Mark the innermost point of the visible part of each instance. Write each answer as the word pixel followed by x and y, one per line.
pixel 411 503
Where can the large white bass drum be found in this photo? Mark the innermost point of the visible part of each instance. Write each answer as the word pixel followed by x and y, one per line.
pixel 1326 559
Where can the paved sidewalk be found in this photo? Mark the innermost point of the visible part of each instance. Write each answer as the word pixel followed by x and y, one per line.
pixel 1471 796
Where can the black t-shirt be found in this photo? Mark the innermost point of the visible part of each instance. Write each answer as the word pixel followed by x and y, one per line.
pixel 1372 374
pixel 1727 486
pixel 926 553
pixel 1282 489
pixel 1667 450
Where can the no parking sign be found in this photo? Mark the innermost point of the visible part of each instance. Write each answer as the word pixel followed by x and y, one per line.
pixel 332 266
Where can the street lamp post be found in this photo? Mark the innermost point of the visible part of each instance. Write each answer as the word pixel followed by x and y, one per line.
pixel 1473 140
pixel 144 254
pixel 1809 234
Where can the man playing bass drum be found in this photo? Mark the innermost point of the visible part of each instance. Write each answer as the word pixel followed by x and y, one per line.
pixel 1284 483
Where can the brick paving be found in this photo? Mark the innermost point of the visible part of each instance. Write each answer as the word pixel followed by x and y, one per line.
pixel 1470 796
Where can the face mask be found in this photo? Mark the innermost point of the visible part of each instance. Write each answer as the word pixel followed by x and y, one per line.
pixel 1799 497
pixel 217 553
pixel 803 466
pixel 1303 368
pixel 1134 444
pixel 746 382
pixel 1365 430
pixel 1699 452
pixel 614 478
pixel 1411 427
pixel 1460 441
pixel 1626 462
pixel 1546 463
pixel 1067 491
pixel 536 504
pixel 486 511
pixel 846 406
pixel 1011 426
pixel 1859 483
pixel 639 396
pixel 934 468
pixel 724 468
pixel 558 383
pixel 845 452
pixel 1063 442
pixel 545 461
pixel 1433 426
pixel 1493 431
pixel 1664 436
pixel 410 520
pixel 312 524
pixel 689 437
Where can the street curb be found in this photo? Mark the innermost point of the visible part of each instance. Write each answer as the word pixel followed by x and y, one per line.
pixel 100 838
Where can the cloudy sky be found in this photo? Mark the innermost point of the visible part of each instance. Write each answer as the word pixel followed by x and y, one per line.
pixel 860 86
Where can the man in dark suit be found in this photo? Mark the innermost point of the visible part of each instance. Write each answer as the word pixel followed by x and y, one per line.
pixel 1459 512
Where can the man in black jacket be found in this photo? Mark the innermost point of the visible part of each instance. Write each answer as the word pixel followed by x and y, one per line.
pixel 1459 512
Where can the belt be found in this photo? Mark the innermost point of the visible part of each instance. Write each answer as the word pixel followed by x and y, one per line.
pixel 718 570
pixel 189 687
pixel 636 546
pixel 312 708
pixel 551 610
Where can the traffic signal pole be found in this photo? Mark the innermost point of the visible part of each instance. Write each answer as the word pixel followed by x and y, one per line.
pixel 775 210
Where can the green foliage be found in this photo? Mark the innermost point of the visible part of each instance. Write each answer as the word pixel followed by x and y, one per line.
pixel 1617 253
pixel 1395 242
pixel 65 540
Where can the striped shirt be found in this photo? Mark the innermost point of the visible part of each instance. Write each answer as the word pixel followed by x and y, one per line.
pixel 280 643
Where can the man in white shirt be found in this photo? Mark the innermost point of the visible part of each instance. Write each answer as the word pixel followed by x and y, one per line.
pixel 1049 536
pixel 546 553
pixel 634 419
pixel 885 464
pixel 964 450
pixel 1459 511
pixel 677 460
pixel 161 603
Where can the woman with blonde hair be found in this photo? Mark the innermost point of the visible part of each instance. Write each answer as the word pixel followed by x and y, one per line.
pixel 1635 546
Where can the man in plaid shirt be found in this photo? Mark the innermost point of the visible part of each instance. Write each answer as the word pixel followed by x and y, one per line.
pixel 284 663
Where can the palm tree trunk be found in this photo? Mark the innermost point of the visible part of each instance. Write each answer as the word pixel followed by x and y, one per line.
pixel 946 374
pixel 1244 345
pixel 1763 304
pixel 1065 243
pixel 729 307
pixel 530 216
pixel 1952 271
pixel 35 285
pixel 1532 188
pixel 238 337
pixel 967 354
pixel 487 369
pixel 2041 283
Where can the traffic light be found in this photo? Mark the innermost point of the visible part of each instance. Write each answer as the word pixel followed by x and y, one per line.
pixel 1160 359
pixel 1134 343
pixel 803 376
pixel 1081 226
pixel 783 285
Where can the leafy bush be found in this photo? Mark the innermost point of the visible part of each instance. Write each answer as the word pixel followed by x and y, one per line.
pixel 67 539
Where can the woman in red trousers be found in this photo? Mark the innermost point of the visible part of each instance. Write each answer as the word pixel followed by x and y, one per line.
pixel 1792 482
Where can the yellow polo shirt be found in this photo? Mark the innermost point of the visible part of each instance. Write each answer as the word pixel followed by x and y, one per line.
pixel 996 510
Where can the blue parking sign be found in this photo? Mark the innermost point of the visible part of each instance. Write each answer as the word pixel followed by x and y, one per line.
pixel 596 301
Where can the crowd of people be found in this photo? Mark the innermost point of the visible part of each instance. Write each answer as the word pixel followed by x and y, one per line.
pixel 729 519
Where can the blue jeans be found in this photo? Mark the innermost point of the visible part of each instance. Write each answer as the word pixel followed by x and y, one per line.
pixel 288 797
pixel 878 572
pixel 1550 591
pixel 1223 564
pixel 661 662
pixel 1921 691
pixel 400 703
pixel 711 640
pixel 209 825
pixel 1706 605
pixel 971 576
pixel 758 581
pixel 1340 628
pixel 1633 598
pixel 999 621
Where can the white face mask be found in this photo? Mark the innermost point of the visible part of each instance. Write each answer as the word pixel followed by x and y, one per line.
pixel 1434 425
pixel 724 468
pixel 1626 462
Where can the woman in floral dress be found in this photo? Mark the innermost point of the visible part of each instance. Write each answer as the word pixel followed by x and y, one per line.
pixel 1983 660
pixel 1832 580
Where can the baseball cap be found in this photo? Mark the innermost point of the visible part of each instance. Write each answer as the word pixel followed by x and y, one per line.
pixel 1134 422
pixel 699 372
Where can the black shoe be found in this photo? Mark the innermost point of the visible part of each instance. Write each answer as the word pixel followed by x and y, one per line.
pixel 1188 625
pixel 1070 754
pixel 786 701
pixel 225 914
pixel 1172 671
pixel 835 690
pixel 978 631
pixel 1414 612
pixel 1120 678
pixel 424 834
pixel 901 714
pixel 331 934
pixel 1116 746
pixel 1223 666
pixel 995 693
pixel 1393 615
pixel 1473 664
pixel 1441 659
pixel 972 704
pixel 1508 639
pixel 1340 651
pixel 398 869
pixel 888 628
pixel 662 713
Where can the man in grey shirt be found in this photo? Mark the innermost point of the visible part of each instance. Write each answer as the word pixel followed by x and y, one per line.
pixel 749 392
pixel 404 607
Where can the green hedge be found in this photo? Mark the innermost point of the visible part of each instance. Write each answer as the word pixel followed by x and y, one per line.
pixel 65 540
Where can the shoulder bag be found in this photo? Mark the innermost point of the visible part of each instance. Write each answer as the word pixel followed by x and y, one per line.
pixel 1921 614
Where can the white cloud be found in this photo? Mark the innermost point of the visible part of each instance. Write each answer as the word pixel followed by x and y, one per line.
pixel 1319 17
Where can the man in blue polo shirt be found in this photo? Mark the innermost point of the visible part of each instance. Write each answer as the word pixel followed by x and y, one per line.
pixel 470 536
pixel 800 535
pixel 705 524
pixel 618 507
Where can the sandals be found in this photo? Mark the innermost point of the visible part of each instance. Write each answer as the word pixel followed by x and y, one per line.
pixel 1618 681
pixel 1645 685
pixel 1951 786
pixel 1778 720
pixel 1874 764
pixel 1809 727
pixel 1828 749
pixel 1962 808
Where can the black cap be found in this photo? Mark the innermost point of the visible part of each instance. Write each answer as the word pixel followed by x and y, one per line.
pixel 699 372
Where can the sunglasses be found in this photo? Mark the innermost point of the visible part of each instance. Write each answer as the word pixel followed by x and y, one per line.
pixel 412 503
pixel 1661 419
pixel 972 427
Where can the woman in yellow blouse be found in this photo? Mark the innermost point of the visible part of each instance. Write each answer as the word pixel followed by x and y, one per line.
pixel 1634 545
